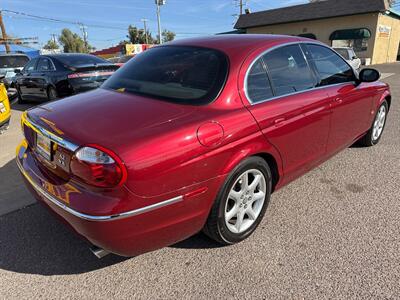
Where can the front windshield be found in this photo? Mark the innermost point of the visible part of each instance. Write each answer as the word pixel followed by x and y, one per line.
pixel 174 73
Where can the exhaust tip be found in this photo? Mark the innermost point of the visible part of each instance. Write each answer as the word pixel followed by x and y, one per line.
pixel 99 252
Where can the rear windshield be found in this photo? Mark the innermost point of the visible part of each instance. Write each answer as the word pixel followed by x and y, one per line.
pixel 11 61
pixel 78 60
pixel 179 74
pixel 343 52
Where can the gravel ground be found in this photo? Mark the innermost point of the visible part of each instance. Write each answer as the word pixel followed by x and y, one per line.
pixel 334 233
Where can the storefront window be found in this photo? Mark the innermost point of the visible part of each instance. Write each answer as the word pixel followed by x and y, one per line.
pixel 359 45
pixel 356 38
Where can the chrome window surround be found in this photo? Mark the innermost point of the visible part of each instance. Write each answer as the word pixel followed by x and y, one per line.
pixel 80 215
pixel 56 139
pixel 294 93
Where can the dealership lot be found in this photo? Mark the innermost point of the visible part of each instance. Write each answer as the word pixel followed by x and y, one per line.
pixel 334 233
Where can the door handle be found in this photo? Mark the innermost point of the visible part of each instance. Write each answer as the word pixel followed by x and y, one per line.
pixel 338 100
pixel 279 120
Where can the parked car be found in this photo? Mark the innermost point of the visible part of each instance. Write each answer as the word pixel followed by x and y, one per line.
pixel 5 111
pixel 350 56
pixel 9 62
pixel 196 135
pixel 120 61
pixel 49 77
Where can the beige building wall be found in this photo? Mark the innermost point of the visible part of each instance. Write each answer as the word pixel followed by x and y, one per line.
pixel 387 45
pixel 323 28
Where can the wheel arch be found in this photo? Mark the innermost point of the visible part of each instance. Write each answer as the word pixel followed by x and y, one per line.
pixel 388 99
pixel 273 165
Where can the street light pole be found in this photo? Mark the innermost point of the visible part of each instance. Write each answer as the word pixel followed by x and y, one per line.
pixel 159 3
pixel 145 30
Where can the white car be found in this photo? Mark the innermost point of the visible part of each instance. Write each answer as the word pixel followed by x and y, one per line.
pixel 350 56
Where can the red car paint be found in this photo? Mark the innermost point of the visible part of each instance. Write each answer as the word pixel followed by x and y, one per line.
pixel 185 152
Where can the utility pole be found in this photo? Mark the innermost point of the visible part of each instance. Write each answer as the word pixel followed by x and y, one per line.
pixel 85 35
pixel 145 30
pixel 159 3
pixel 4 34
pixel 241 7
pixel 53 37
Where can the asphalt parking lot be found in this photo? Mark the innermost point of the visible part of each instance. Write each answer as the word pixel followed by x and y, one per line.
pixel 334 233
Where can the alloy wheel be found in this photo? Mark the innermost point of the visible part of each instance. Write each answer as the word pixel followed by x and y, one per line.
pixel 245 201
pixel 379 123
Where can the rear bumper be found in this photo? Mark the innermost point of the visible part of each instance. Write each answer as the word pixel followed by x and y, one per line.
pixel 131 232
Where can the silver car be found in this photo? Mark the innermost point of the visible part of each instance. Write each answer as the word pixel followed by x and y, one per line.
pixel 350 56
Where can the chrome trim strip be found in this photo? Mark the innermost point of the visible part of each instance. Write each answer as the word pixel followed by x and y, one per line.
pixel 294 93
pixel 56 139
pixel 78 214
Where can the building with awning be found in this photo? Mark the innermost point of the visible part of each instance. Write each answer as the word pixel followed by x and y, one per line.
pixel 370 27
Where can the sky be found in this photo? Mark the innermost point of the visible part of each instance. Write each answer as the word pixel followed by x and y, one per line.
pixel 107 20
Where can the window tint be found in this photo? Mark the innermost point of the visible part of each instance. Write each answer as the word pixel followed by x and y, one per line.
pixel 13 61
pixel 331 67
pixel 45 65
pixel 175 73
pixel 288 70
pixel 30 66
pixel 343 52
pixel 258 86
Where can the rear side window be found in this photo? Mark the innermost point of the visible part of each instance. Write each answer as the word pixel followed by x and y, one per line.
pixel 288 70
pixel 45 65
pixel 178 74
pixel 331 67
pixel 257 84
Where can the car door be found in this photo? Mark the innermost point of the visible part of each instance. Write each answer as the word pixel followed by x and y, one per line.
pixel 293 116
pixel 42 76
pixel 351 103
pixel 24 79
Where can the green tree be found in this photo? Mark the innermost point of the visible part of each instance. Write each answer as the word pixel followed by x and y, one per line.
pixel 72 42
pixel 167 36
pixel 138 36
pixel 51 45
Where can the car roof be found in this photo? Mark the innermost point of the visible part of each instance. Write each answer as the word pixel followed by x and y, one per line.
pixel 239 43
pixel 61 55
pixel 13 54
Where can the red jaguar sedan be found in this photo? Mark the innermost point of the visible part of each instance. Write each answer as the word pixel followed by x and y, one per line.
pixel 195 135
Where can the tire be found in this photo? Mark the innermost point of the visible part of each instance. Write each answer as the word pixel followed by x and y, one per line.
pixel 374 134
pixel 222 223
pixel 51 93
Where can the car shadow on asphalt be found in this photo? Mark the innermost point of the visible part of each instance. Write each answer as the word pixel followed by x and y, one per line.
pixel 22 107
pixel 198 241
pixel 32 241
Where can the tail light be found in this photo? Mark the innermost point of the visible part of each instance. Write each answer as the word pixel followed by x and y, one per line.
pixel 97 166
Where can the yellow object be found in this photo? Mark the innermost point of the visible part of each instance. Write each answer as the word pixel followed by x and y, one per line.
pixel 5 110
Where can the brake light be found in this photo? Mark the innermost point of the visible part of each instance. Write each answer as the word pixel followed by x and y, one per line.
pixel 97 166
pixel 90 74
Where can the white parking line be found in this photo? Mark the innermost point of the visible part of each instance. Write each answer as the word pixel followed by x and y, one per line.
pixel 386 75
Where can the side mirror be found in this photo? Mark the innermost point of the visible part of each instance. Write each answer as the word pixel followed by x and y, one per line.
pixel 354 57
pixel 17 71
pixel 369 75
pixel 2 77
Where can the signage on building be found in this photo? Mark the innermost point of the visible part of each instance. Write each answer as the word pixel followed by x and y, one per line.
pixel 384 31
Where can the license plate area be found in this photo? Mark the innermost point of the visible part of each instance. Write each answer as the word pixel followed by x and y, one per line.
pixel 43 146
